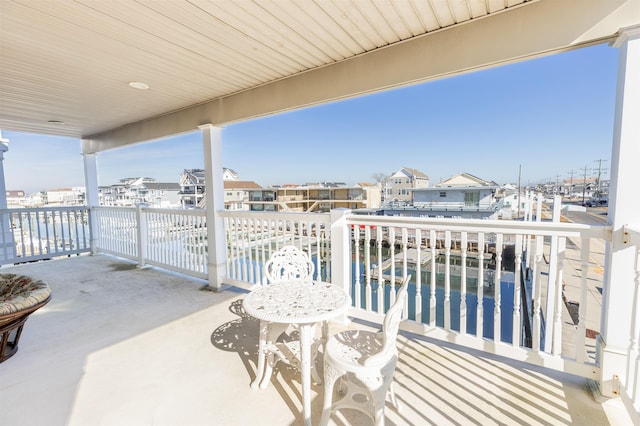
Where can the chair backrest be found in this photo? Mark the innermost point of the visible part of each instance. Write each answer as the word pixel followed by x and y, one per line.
pixel 391 325
pixel 289 264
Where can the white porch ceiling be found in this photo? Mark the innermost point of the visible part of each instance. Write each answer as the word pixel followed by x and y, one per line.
pixel 220 61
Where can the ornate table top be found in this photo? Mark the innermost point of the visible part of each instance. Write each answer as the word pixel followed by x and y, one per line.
pixel 297 302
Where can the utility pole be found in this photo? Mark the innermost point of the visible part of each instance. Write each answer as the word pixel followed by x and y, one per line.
pixel 584 181
pixel 557 188
pixel 600 170
pixel 519 177
pixel 571 173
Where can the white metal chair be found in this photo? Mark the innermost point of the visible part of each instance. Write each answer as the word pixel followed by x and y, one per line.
pixel 288 264
pixel 285 265
pixel 365 362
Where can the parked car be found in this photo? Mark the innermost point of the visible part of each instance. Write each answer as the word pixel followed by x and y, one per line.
pixel 595 202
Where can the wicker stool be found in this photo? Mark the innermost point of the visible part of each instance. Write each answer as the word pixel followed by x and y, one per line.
pixel 19 297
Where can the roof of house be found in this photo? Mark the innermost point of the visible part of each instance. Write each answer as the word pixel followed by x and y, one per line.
pixel 408 171
pixel 454 188
pixel 464 180
pixel 241 184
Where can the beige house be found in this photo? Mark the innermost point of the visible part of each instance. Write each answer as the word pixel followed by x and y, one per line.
pixel 403 181
pixel 316 197
pixel 237 193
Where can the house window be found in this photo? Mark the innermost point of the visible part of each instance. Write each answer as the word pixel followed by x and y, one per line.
pixel 471 199
pixel 443 194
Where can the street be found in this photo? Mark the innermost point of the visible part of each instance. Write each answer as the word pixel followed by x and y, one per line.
pixel 593 216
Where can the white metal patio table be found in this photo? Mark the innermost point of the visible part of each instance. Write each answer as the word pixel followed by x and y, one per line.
pixel 301 303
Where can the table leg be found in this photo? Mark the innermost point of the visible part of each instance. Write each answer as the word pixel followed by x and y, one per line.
pixel 261 355
pixel 306 331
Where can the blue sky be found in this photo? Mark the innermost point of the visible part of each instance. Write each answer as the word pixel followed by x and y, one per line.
pixel 551 115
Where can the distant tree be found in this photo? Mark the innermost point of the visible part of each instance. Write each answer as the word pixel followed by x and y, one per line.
pixel 383 180
pixel 380 177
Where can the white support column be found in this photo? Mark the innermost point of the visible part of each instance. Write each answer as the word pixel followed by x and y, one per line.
pixel 624 205
pixel 7 244
pixel 214 196
pixel 91 188
pixel 340 250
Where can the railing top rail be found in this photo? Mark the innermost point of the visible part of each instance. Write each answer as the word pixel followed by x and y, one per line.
pixel 113 208
pixel 179 212
pixel 317 217
pixel 483 225
pixel 43 209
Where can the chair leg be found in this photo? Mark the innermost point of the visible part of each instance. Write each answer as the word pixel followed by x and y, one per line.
pixel 394 400
pixel 379 397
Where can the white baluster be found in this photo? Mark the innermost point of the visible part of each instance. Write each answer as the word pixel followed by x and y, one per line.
pixel 356 242
pixel 582 328
pixel 432 284
pixel 480 293
pixel 497 291
pixel 392 271
pixel 517 285
pixel 447 280
pixel 380 272
pixel 405 244
pixel 418 276
pixel 536 292
pixel 557 321
pixel 463 283
pixel 367 267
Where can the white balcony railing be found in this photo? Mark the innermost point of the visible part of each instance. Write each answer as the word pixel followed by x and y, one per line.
pixel 168 238
pixel 454 205
pixel 495 286
pixel 490 285
pixel 42 233
pixel 253 236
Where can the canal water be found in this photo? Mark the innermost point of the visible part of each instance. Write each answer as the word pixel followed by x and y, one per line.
pixel 470 322
pixel 471 298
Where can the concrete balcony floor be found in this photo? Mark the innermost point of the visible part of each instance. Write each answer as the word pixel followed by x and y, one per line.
pixel 124 346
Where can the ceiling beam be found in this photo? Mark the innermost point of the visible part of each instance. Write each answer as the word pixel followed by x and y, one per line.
pixel 531 30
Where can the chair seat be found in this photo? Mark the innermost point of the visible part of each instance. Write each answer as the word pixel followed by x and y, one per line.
pixel 352 348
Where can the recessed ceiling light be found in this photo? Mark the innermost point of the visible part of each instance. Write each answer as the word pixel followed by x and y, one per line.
pixel 138 85
pixel 56 122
